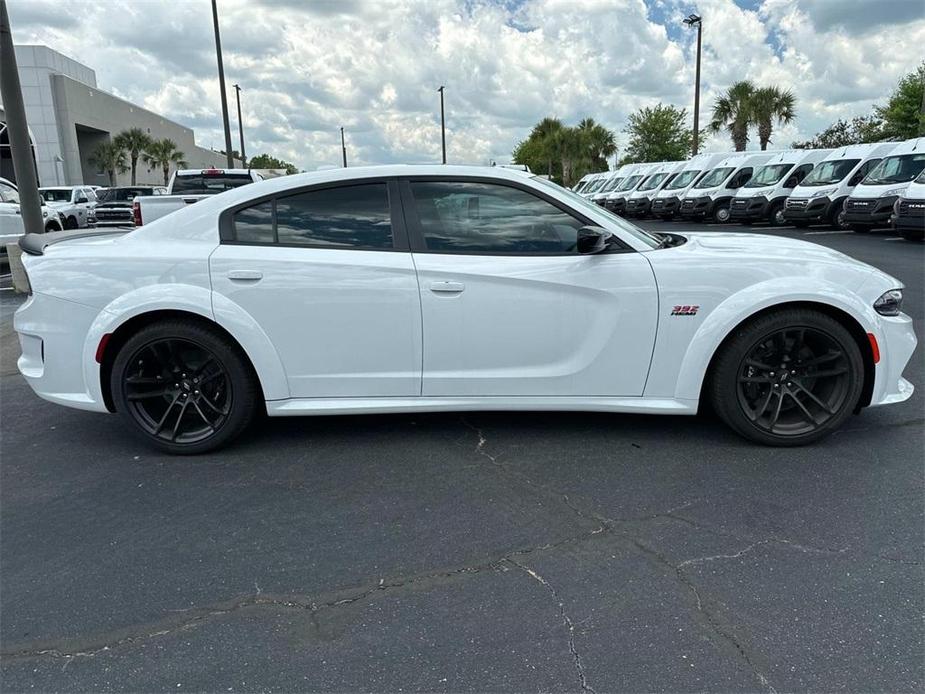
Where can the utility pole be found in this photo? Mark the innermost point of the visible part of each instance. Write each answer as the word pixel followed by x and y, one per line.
pixel 237 94
pixel 221 86
pixel 442 124
pixel 343 146
pixel 692 21
pixel 30 202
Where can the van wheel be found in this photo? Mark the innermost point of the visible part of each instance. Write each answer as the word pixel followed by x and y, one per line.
pixel 776 215
pixel 837 219
pixel 52 226
pixel 913 234
pixel 721 214
pixel 787 378
pixel 183 387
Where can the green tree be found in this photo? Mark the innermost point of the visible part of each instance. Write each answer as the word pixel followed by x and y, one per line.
pixel 163 153
pixel 566 153
pixel 265 161
pixel 732 112
pixel 110 157
pixel 842 133
pixel 769 104
pixel 904 114
pixel 657 133
pixel 134 141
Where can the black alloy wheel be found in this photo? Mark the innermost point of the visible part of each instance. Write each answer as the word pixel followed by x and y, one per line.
pixel 184 387
pixel 788 377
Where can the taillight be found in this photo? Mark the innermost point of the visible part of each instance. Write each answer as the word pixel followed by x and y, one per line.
pixel 136 213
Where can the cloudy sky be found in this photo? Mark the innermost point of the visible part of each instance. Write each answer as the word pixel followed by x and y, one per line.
pixel 307 67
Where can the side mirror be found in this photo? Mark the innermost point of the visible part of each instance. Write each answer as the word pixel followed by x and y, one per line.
pixel 82 201
pixel 593 240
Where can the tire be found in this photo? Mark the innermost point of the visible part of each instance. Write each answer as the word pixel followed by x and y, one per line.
pixel 52 226
pixel 721 214
pixel 174 376
pixel 837 218
pixel 913 234
pixel 819 386
pixel 70 223
pixel 776 215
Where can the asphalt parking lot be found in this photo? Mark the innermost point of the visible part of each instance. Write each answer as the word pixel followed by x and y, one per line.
pixel 485 552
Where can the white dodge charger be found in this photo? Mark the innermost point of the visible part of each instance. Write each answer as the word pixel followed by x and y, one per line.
pixel 436 288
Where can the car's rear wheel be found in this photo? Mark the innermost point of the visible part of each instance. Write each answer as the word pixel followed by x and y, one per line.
pixel 787 378
pixel 184 387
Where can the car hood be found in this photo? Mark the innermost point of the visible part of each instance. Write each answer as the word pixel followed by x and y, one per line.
pixel 758 247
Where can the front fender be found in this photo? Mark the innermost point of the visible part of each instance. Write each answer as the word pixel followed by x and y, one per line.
pixel 749 301
pixel 198 301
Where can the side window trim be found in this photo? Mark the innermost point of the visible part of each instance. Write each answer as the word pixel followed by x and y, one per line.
pixel 396 216
pixel 416 230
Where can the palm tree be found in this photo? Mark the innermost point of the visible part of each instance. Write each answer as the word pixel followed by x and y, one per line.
pixel 546 132
pixel 110 157
pixel 134 141
pixel 163 153
pixel 769 104
pixel 732 111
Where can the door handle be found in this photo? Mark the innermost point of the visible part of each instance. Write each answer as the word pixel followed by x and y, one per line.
pixel 244 275
pixel 447 287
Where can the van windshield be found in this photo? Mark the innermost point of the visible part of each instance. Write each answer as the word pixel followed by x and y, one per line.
pixel 768 175
pixel 611 184
pixel 629 183
pixel 683 180
pixel 899 169
pixel 921 177
pixel 830 172
pixel 715 177
pixel 653 181
pixel 580 187
pixel 594 185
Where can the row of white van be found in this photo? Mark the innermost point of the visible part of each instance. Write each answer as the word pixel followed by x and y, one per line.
pixel 858 187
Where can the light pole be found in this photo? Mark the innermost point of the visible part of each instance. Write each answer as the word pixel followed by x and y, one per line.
pixel 695 21
pixel 343 146
pixel 442 124
pixel 237 94
pixel 221 86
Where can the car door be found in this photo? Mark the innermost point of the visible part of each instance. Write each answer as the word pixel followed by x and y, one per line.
pixel 10 217
pixel 510 308
pixel 326 274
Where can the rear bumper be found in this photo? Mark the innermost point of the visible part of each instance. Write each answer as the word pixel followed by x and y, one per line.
pixel 751 209
pixel 869 211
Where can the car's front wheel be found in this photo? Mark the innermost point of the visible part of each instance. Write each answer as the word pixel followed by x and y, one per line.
pixel 721 214
pixel 183 386
pixel 787 378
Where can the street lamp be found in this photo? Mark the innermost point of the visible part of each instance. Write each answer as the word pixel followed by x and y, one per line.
pixel 221 86
pixel 237 94
pixel 442 124
pixel 695 21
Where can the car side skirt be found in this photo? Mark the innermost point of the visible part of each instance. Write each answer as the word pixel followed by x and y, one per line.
pixel 336 406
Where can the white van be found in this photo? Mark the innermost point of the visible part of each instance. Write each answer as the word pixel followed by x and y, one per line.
pixel 616 200
pixel 639 202
pixel 582 183
pixel 667 201
pixel 762 198
pixel 820 198
pixel 871 203
pixel 909 211
pixel 614 180
pixel 594 183
pixel 709 198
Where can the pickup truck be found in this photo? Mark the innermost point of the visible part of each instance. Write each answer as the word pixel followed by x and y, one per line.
pixel 188 186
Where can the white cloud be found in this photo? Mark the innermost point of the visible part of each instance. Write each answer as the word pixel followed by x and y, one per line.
pixel 374 66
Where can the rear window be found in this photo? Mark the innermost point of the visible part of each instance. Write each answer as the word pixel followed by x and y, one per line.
pixel 123 194
pixel 208 183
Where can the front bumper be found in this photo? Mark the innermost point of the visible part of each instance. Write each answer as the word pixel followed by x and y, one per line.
pixel 808 209
pixel 897 342
pixel 911 215
pixel 869 211
pixel 638 207
pixel 665 207
pixel 752 209
pixel 617 206
pixel 696 208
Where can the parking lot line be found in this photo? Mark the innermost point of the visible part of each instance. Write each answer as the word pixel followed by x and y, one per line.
pixel 819 233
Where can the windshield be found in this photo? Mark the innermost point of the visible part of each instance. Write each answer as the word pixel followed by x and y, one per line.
pixel 123 194
pixel 899 169
pixel 921 177
pixel 56 195
pixel 715 177
pixel 683 180
pixel 653 181
pixel 580 186
pixel 629 183
pixel 208 184
pixel 768 175
pixel 611 184
pixel 594 185
pixel 830 172
pixel 583 205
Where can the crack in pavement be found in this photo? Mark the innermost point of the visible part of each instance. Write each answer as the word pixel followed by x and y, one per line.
pixel 566 620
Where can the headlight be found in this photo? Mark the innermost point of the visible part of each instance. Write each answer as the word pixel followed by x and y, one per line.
pixel 890 303
pixel 892 191
pixel 820 193
pixel 44 214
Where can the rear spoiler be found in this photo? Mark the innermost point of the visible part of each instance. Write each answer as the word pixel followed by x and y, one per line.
pixel 35 244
